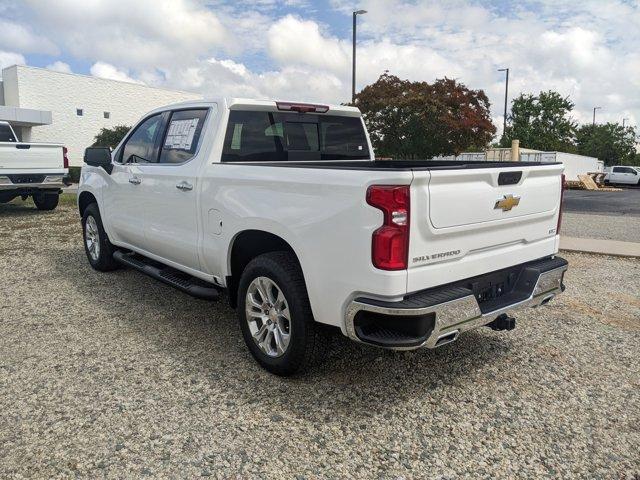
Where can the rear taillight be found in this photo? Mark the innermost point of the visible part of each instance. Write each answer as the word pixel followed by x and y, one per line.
pixel 390 242
pixel 562 187
pixel 65 159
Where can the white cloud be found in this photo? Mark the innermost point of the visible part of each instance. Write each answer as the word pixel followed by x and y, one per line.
pixel 292 40
pixel 17 37
pixel 8 59
pixel 141 34
pixel 106 70
pixel 59 67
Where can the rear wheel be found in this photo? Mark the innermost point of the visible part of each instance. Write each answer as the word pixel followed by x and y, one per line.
pixel 275 315
pixel 97 246
pixel 46 201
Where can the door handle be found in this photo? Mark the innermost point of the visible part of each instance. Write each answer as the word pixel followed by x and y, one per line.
pixel 184 186
pixel 135 181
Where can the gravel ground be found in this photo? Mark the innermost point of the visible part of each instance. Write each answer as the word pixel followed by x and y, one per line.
pixel 114 376
pixel 608 227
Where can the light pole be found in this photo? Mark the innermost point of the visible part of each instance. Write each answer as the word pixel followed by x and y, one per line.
pixel 353 69
pixel 506 94
pixel 594 114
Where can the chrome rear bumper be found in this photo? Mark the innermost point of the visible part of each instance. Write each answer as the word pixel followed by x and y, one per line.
pixel 450 317
pixel 32 182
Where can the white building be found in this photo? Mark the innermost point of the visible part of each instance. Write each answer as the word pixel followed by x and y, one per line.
pixel 54 107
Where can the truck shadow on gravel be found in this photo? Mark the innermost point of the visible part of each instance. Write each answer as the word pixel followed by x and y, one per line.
pixel 204 339
pixel 18 208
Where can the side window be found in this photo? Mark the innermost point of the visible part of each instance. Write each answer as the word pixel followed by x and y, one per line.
pixel 140 147
pixel 6 135
pixel 618 170
pixel 182 136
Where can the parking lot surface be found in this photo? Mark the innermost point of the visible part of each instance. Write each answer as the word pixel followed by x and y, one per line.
pixel 625 202
pixel 625 228
pixel 114 375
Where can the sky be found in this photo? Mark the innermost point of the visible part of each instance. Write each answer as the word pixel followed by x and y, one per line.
pixel 301 49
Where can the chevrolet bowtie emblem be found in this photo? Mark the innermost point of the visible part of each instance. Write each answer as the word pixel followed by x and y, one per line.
pixel 507 203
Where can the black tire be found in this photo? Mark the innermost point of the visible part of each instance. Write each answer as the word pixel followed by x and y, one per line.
pixel 309 340
pixel 46 201
pixel 103 262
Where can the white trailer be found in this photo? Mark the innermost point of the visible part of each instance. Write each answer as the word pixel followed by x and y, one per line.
pixel 574 165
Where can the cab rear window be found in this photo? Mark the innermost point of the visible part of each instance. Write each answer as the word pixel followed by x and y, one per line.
pixel 277 137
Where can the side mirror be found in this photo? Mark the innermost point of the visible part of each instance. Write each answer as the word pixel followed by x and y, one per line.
pixel 98 157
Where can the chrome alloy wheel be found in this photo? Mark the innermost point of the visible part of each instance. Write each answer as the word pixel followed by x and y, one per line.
pixel 267 314
pixel 92 238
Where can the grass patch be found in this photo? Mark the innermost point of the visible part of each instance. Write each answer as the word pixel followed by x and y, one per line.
pixel 68 199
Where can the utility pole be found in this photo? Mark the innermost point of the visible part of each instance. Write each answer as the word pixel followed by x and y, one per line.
pixel 594 114
pixel 506 95
pixel 353 69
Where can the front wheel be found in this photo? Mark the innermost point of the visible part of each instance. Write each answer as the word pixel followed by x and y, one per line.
pixel 275 315
pixel 97 246
pixel 46 201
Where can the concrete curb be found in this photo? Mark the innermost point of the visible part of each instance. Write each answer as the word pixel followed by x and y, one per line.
pixel 599 246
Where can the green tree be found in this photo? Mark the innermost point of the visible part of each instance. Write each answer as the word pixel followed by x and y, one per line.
pixel 609 142
pixel 541 122
pixel 420 120
pixel 110 137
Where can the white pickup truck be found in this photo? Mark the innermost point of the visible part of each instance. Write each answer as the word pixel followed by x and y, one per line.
pixel 284 206
pixel 623 175
pixel 36 170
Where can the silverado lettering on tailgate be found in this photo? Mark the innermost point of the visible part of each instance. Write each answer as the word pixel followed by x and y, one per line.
pixel 436 256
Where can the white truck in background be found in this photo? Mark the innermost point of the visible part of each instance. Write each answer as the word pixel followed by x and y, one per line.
pixel 284 206
pixel 36 170
pixel 622 175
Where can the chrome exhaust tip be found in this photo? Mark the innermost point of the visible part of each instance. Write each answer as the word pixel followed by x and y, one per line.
pixel 447 338
pixel 547 299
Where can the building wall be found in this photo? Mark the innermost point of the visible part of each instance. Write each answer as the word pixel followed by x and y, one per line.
pixel 63 93
pixel 10 87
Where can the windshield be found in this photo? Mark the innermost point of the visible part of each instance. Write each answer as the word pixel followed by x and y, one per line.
pixel 276 137
pixel 6 135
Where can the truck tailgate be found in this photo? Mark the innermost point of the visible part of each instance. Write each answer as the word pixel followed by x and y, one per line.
pixel 465 222
pixel 30 156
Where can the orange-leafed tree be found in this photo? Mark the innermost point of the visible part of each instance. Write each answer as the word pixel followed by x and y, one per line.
pixel 413 120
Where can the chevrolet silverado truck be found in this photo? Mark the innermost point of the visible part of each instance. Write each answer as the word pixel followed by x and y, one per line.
pixel 284 206
pixel 36 170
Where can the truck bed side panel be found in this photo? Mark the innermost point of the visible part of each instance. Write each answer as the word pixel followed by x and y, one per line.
pixel 322 214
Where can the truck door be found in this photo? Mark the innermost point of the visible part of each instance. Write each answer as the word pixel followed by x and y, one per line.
pixel 630 176
pixel 124 198
pixel 170 189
